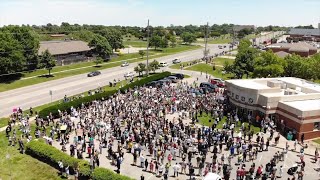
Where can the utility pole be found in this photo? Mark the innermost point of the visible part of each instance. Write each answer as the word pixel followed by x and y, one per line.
pixel 206 43
pixel 148 49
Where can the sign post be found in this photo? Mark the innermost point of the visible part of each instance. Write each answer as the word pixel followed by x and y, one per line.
pixel 50 93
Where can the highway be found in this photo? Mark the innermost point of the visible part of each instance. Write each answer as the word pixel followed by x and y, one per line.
pixel 38 94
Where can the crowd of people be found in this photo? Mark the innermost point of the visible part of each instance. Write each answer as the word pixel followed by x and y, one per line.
pixel 160 127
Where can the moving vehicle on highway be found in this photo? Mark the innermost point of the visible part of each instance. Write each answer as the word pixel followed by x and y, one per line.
pixel 163 64
pixel 94 73
pixel 176 61
pixel 124 64
pixel 129 74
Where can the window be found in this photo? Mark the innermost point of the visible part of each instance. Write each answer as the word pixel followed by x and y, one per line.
pixel 316 126
pixel 237 96
pixel 243 98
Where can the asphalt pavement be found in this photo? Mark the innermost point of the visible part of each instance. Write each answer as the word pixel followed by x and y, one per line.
pixel 38 94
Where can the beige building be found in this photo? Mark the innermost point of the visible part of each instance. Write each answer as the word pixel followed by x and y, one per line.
pixel 293 103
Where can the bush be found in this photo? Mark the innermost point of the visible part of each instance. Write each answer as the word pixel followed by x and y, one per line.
pixel 106 174
pixel 88 99
pixel 52 156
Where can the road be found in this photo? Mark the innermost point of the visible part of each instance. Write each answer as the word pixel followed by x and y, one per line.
pixel 38 94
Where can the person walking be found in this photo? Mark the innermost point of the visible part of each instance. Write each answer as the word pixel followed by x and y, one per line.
pixel 176 168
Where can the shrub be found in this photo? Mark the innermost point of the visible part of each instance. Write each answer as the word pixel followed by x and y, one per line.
pixel 88 99
pixel 106 174
pixel 52 156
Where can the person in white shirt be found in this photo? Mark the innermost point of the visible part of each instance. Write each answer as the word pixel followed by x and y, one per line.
pixel 142 161
pixel 176 169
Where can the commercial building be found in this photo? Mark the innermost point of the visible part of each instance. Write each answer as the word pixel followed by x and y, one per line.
pixel 297 34
pixel 301 48
pixel 293 104
pixel 66 52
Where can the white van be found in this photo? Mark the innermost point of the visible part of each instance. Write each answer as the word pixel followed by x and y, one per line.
pixel 163 64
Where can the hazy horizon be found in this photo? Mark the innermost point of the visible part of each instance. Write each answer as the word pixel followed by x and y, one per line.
pixel 161 13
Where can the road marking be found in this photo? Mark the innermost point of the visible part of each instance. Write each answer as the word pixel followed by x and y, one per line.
pixel 260 158
pixel 150 176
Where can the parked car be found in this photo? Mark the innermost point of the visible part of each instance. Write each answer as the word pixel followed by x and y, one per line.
pixel 129 74
pixel 163 64
pixel 153 84
pixel 94 73
pixel 217 81
pixel 164 82
pixel 179 76
pixel 209 85
pixel 124 64
pixel 176 61
pixel 220 47
pixel 173 79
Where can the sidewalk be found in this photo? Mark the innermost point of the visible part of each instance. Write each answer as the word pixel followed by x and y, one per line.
pixel 84 67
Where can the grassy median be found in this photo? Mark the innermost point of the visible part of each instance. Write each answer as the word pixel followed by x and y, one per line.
pixel 85 67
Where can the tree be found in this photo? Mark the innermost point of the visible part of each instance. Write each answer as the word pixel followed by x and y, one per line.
pixel 142 53
pixel 188 37
pixel 244 62
pixel 113 36
pixel 153 66
pixel 12 59
pixel 164 43
pixel 244 32
pixel 29 41
pixel 100 46
pixel 173 40
pixel 155 41
pixel 83 35
pixel 140 68
pixel 98 61
pixel 268 64
pixel 47 61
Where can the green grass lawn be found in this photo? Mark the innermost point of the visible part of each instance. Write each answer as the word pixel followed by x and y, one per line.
pixel 204 120
pixel 316 141
pixel 22 166
pixel 135 43
pixel 3 122
pixel 221 61
pixel 202 67
pixel 88 67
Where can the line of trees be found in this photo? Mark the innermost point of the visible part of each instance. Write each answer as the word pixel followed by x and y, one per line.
pixel 251 62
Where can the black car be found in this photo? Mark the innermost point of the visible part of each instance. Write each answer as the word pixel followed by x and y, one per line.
pixel 179 76
pixel 208 86
pixel 153 84
pixel 94 73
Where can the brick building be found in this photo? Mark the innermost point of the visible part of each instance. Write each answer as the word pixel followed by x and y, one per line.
pixel 301 48
pixel 293 104
pixel 305 34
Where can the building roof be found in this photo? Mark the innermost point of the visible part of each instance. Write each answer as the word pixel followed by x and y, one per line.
pixel 282 54
pixel 240 27
pixel 304 105
pixel 294 47
pixel 63 47
pixel 262 83
pixel 305 32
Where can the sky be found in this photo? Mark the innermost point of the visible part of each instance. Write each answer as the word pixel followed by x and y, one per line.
pixel 161 12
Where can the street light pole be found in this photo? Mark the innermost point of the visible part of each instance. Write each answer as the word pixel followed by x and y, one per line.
pixel 148 49
pixel 206 43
